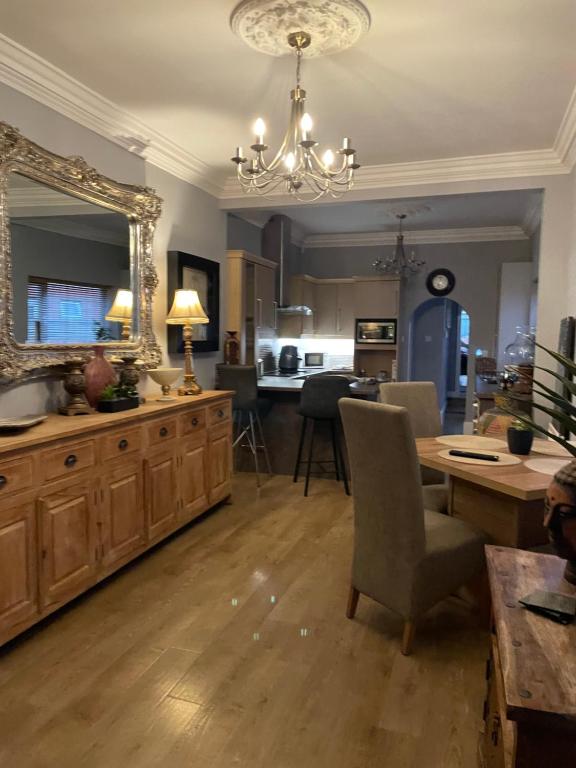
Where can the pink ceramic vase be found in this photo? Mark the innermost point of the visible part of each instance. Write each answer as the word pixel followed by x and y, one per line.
pixel 98 373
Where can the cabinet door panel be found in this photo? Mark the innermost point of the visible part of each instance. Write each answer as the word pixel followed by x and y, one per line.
pixel 345 319
pixel 193 478
pixel 123 517
pixel 219 463
pixel 265 297
pixel 326 309
pixel 68 542
pixel 18 575
pixel 376 298
pixel 161 493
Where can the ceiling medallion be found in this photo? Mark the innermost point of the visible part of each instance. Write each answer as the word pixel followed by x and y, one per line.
pixel 333 24
pixel 398 263
pixel 296 165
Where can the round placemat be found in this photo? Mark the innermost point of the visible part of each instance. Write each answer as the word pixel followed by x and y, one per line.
pixel 546 466
pixel 471 442
pixel 504 459
pixel 550 448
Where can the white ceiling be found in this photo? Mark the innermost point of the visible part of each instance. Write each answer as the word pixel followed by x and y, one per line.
pixel 490 209
pixel 432 79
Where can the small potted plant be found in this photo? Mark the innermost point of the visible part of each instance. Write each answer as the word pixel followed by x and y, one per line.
pixel 118 397
pixel 520 437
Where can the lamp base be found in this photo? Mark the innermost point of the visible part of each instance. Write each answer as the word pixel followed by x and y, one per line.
pixel 190 386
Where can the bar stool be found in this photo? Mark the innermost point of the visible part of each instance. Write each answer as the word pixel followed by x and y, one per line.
pixel 246 406
pixel 319 402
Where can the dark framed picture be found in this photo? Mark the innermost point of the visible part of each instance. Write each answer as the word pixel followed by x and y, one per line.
pixel 202 275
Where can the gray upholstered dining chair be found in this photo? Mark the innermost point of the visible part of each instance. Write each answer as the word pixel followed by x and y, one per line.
pixel 406 557
pixel 420 399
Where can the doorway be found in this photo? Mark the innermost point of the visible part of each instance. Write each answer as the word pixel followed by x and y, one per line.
pixel 439 352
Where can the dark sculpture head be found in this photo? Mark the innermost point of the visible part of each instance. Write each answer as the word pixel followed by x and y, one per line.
pixel 560 516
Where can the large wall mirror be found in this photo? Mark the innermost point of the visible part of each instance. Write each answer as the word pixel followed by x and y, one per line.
pixel 76 261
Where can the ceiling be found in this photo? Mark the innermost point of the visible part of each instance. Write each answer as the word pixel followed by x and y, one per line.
pixel 431 79
pixel 518 208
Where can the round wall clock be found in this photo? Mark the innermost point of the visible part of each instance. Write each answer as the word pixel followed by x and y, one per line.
pixel 440 282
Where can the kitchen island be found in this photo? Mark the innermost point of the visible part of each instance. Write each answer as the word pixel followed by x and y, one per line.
pixel 282 423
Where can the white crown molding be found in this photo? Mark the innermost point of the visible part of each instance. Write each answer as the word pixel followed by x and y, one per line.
pixel 533 217
pixel 565 144
pixel 417 237
pixel 32 75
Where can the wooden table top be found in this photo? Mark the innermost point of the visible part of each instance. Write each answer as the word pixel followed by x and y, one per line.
pixel 537 655
pixel 516 480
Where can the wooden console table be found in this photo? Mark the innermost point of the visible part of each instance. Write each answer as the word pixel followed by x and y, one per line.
pixel 81 496
pixel 530 709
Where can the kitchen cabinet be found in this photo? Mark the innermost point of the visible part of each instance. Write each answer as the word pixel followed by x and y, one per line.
pixel 80 498
pixel 18 577
pixel 68 540
pixel 345 310
pixel 335 308
pixel 376 297
pixel 266 303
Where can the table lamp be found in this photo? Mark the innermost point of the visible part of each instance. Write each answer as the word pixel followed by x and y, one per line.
pixel 187 311
pixel 121 311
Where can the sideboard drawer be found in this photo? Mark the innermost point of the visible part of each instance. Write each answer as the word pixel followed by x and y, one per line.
pixel 121 443
pixel 16 475
pixel 67 460
pixel 193 422
pixel 221 412
pixel 161 431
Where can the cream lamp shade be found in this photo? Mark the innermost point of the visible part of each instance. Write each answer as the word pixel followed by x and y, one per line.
pixel 186 309
pixel 121 310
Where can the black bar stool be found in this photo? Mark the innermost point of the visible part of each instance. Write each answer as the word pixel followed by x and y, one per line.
pixel 247 409
pixel 319 402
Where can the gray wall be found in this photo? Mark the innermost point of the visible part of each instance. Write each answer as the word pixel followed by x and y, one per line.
pixel 191 221
pixel 243 236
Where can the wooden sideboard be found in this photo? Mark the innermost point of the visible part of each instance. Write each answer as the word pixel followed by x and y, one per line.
pixel 530 709
pixel 81 496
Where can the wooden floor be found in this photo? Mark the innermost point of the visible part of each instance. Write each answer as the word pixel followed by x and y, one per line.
pixel 228 646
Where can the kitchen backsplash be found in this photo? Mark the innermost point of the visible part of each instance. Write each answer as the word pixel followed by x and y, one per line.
pixel 338 353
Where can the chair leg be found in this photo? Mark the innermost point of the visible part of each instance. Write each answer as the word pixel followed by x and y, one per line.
pixel 353 596
pixel 254 447
pixel 408 638
pixel 300 447
pixel 334 449
pixel 342 464
pixel 264 446
pixel 310 452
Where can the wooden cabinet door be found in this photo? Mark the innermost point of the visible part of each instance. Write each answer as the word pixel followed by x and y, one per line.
pixel 122 519
pixel 193 473
pixel 326 308
pixel 345 313
pixel 265 297
pixel 219 463
pixel 18 572
pixel 68 541
pixel 376 298
pixel 161 492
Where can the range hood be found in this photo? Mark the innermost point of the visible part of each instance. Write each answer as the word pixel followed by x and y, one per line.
pixel 276 243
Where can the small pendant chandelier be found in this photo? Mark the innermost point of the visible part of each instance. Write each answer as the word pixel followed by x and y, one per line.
pixel 296 166
pixel 398 263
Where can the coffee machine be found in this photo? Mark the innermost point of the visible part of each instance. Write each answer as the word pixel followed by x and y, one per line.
pixel 289 359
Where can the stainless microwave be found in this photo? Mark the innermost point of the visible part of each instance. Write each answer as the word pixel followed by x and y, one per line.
pixel 371 331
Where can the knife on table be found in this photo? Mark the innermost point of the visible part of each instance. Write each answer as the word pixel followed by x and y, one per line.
pixel 472 455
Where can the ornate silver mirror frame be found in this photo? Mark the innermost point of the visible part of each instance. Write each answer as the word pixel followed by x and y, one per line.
pixel 72 175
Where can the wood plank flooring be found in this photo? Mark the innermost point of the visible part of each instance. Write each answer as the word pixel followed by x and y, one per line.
pixel 228 646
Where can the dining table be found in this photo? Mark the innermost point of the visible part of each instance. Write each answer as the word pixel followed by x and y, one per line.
pixel 506 502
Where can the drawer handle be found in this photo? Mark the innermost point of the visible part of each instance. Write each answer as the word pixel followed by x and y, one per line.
pixel 123 444
pixel 220 412
pixel 3 481
pixel 69 461
pixel 194 422
pixel 163 431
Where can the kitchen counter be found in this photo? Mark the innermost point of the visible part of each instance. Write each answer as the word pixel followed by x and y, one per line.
pixel 296 382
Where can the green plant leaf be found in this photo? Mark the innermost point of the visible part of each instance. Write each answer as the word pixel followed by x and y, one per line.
pixel 570 385
pixel 570 365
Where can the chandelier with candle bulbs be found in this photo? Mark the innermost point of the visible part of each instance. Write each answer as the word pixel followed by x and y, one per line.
pixel 298 167
pixel 397 263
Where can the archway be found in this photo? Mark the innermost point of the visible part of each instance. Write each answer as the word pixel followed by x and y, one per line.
pixel 439 341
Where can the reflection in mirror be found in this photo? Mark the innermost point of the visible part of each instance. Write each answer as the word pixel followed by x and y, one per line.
pixel 70 260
